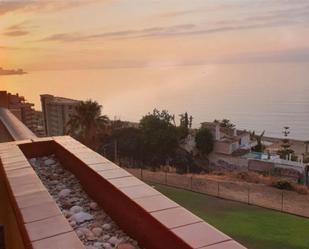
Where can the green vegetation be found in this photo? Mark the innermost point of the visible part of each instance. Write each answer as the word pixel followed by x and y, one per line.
pixel 286 150
pixel 185 125
pixel 254 227
pixel 225 123
pixel 159 135
pixel 129 142
pixel 259 140
pixel 282 184
pixel 155 143
pixel 204 141
pixel 87 123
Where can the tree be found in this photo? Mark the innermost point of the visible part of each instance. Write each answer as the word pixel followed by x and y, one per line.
pixel 183 162
pixel 204 141
pixel 286 145
pixel 225 123
pixel 129 142
pixel 87 123
pixel 184 120
pixel 159 135
pixel 259 139
pixel 185 125
pixel 190 121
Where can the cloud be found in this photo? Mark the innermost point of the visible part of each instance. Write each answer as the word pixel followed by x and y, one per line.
pixel 287 15
pixel 8 48
pixel 19 29
pixel 19 25
pixel 178 30
pixel 123 34
pixel 298 14
pixel 248 14
pixel 64 37
pixel 295 13
pixel 16 33
pixel 7 6
pixel 241 5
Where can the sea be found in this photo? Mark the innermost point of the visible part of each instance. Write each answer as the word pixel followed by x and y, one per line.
pixel 265 96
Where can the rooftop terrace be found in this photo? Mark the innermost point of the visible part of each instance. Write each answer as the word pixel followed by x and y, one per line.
pixel 32 219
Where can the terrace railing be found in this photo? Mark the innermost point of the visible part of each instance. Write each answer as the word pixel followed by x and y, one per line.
pixel 14 126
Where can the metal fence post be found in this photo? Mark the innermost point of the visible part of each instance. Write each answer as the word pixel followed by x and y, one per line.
pixel 282 201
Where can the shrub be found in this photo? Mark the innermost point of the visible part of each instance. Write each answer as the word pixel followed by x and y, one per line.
pixel 282 184
pixel 204 141
pixel 244 176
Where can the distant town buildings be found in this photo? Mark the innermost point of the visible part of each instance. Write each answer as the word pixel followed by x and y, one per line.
pixel 23 110
pixel 56 113
pixel 11 71
pixel 40 124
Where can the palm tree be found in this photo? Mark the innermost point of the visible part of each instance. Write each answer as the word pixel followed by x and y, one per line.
pixel 259 140
pixel 87 122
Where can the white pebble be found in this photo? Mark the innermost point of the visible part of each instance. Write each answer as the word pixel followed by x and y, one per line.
pixel 106 237
pixel 76 209
pixel 107 246
pixel 93 206
pixel 49 162
pixel 97 231
pixel 106 226
pixel 98 244
pixel 114 240
pixel 64 193
pixel 81 217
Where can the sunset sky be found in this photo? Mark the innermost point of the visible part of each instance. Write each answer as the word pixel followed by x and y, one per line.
pixel 40 35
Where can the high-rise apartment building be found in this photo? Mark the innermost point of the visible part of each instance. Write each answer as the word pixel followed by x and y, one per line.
pixel 56 113
pixel 23 110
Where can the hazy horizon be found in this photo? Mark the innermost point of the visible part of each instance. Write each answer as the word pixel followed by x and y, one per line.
pixel 269 104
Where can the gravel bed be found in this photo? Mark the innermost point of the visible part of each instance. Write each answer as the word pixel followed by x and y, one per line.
pixel 92 225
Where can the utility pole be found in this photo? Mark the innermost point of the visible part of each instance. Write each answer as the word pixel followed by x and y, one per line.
pixel 116 151
pixel 306 180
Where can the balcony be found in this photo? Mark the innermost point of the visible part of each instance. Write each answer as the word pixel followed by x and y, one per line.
pixel 33 217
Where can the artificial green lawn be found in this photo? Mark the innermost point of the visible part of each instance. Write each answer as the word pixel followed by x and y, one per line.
pixel 254 227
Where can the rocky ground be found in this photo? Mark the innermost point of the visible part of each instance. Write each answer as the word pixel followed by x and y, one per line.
pixel 92 225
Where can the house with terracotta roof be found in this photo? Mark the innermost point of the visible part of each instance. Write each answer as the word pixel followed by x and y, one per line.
pixel 228 140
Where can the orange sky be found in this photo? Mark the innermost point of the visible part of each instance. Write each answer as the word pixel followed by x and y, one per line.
pixel 39 35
